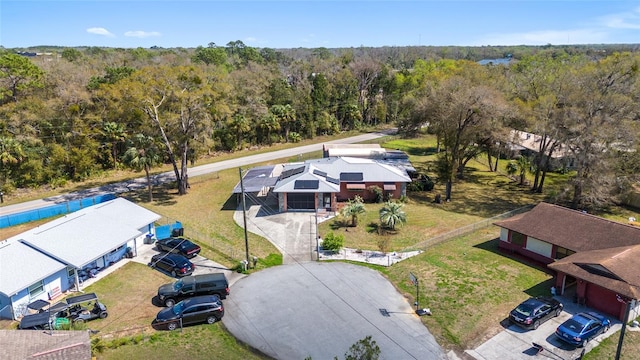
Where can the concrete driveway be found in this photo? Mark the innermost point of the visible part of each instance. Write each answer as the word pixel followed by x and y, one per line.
pixel 515 343
pixel 319 310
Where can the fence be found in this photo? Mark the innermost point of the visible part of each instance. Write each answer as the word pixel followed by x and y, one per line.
pixel 220 246
pixel 52 210
pixel 468 229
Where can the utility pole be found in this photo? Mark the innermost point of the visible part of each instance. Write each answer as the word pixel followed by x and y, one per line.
pixel 627 305
pixel 244 218
pixel 317 238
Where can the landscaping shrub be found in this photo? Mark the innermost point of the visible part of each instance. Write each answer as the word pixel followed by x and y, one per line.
pixel 333 242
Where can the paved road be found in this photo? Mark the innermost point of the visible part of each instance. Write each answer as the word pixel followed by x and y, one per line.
pixel 193 171
pixel 319 310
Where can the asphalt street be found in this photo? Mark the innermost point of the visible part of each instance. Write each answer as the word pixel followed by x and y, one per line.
pixel 319 310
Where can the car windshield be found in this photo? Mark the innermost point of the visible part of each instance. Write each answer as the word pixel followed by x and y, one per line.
pixel 525 309
pixel 178 285
pixel 177 308
pixel 574 325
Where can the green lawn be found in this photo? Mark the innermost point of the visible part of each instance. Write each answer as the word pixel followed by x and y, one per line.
pixel 466 282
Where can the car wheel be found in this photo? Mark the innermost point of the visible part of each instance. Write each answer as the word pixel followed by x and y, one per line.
pixel 211 319
pixel 169 302
pixel 78 321
pixel 536 324
pixel 606 328
pixel 583 343
pixel 558 312
pixel 172 326
pixel 174 274
pixel 103 315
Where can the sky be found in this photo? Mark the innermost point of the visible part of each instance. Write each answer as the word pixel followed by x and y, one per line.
pixel 317 23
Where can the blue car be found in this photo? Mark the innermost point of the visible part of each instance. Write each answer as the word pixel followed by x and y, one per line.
pixel 582 327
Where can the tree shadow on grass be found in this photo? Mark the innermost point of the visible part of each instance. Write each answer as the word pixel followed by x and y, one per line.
pixel 339 224
pixel 161 196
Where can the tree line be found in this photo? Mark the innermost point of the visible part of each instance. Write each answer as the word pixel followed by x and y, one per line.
pixel 73 114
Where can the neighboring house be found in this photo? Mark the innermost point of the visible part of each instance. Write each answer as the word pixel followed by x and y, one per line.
pixel 528 144
pixel 370 151
pixel 590 252
pixel 321 183
pixel 50 259
pixel 45 345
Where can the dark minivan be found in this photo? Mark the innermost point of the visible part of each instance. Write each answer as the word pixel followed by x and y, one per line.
pixel 195 285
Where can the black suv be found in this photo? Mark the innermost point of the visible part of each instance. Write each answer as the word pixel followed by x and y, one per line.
pixel 195 285
pixel 534 311
pixel 178 245
pixel 194 310
pixel 174 264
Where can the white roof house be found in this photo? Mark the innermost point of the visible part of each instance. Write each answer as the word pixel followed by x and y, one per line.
pixel 329 172
pixel 21 266
pixel 81 237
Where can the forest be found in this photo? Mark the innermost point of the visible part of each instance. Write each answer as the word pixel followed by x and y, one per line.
pixel 71 114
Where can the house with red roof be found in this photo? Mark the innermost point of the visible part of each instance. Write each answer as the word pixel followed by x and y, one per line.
pixel 594 257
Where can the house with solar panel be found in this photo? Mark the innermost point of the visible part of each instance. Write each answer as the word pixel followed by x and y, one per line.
pixel 320 184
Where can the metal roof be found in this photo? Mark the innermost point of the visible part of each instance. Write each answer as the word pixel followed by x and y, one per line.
pixel 327 170
pixel 22 266
pixel 258 178
pixel 83 236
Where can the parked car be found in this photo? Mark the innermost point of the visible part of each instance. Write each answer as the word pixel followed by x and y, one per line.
pixel 174 264
pixel 535 311
pixel 178 245
pixel 85 307
pixel 582 327
pixel 195 285
pixel 199 309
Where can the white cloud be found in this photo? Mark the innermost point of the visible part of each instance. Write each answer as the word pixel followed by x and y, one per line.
pixel 626 20
pixel 142 34
pixel 100 31
pixel 250 39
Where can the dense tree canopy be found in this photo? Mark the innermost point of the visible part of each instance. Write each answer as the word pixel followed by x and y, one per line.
pixel 69 114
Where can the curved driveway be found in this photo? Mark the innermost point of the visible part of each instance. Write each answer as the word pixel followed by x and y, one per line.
pixel 318 310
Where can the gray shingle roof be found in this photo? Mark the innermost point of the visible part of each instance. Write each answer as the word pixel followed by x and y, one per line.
pixel 572 229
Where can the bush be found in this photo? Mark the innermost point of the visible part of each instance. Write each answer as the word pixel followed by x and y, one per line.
pixel 333 242
pixel 377 191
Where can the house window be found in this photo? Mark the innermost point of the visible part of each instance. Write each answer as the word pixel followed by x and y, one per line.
pixel 563 252
pixel 70 271
pixel 518 238
pixel 36 289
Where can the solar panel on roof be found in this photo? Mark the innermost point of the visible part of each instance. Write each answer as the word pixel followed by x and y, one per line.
pixel 306 184
pixel 333 180
pixel 345 176
pixel 289 173
pixel 320 173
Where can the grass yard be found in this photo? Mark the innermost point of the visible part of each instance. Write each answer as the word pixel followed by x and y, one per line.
pixel 127 332
pixel 466 282
pixel 469 286
pixel 607 348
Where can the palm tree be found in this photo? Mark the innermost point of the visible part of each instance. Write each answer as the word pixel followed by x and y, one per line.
pixel 354 208
pixel 114 133
pixel 143 154
pixel 391 214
